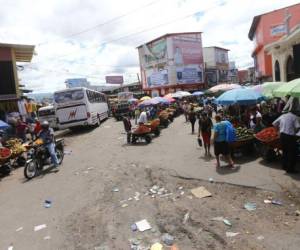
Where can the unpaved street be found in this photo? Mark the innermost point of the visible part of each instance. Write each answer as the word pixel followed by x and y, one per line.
pixel 103 188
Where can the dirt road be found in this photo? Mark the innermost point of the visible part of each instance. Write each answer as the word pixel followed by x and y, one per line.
pixel 104 187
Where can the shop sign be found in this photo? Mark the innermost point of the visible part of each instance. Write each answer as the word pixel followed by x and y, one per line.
pixel 278 30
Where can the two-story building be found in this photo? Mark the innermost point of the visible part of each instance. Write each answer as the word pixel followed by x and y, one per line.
pixel 266 30
pixel 216 65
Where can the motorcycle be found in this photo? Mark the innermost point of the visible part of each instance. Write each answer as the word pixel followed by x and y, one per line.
pixel 38 156
pixel 142 132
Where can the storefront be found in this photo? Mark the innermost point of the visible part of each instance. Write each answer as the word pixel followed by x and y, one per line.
pixel 286 56
pixel 10 92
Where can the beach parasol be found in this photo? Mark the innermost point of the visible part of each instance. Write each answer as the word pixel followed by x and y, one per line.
pixel 267 89
pixel 291 88
pixel 145 98
pixel 223 87
pixel 198 93
pixel 242 96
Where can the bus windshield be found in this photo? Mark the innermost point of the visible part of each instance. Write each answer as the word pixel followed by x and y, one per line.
pixel 69 95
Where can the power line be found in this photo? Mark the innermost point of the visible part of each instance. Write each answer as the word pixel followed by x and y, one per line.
pixel 139 32
pixel 104 23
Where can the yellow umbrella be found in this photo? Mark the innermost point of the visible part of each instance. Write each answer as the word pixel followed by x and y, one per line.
pixel 145 98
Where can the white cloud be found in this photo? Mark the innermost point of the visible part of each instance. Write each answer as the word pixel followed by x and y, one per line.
pixel 100 51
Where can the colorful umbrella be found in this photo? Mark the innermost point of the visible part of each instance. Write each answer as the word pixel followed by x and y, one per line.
pixel 242 96
pixel 198 93
pixel 160 100
pixel 168 95
pixel 181 94
pixel 170 99
pixel 291 88
pixel 145 98
pixel 3 125
pixel 224 87
pixel 132 100
pixel 267 89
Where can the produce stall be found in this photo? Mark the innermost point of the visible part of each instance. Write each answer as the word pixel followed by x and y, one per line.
pixel 269 143
pixel 244 140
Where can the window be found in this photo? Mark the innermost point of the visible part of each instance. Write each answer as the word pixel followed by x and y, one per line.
pixel 277 71
pixel 66 96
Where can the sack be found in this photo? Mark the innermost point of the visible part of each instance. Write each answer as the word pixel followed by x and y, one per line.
pixel 230 133
pixel 199 142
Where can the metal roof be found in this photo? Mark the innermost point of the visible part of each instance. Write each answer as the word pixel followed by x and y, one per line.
pixel 23 53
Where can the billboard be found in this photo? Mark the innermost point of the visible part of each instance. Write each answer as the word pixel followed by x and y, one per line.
pixel 114 79
pixel 188 59
pixel 154 52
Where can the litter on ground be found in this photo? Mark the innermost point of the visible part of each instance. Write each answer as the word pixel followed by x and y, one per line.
pixel 201 192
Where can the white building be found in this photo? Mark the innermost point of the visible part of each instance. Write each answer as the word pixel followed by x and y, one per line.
pixel 216 64
pixel 286 56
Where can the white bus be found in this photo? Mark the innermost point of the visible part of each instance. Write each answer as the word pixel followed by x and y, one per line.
pixel 48 114
pixel 80 107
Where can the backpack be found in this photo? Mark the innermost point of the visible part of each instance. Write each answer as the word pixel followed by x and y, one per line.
pixel 230 132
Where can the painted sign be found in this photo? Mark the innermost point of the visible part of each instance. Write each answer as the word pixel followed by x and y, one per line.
pixel 154 51
pixel 157 78
pixel 278 30
pixel 190 74
pixel 114 79
pixel 187 51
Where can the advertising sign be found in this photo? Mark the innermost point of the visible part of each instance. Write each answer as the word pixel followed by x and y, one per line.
pixel 187 51
pixel 154 51
pixel 114 79
pixel 189 74
pixel 157 78
pixel 278 30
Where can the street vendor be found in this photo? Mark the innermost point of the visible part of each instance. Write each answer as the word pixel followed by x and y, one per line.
pixel 143 117
pixel 288 125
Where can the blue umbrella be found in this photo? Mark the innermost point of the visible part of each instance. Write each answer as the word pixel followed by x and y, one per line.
pixel 160 100
pixel 3 125
pixel 242 96
pixel 198 93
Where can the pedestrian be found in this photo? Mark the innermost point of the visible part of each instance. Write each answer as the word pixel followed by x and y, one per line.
pixel 185 110
pixel 221 146
pixel 205 127
pixel 192 118
pixel 288 125
pixel 37 128
pixel 136 115
pixel 21 130
pixel 127 127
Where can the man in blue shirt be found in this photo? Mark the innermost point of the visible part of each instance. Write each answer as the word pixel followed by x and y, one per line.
pixel 221 146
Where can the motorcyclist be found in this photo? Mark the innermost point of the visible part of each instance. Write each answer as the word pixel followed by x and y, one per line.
pixel 47 135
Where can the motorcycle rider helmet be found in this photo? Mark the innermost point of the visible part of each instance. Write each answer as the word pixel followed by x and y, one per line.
pixel 45 125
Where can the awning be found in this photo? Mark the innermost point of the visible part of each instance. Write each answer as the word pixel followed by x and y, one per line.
pixel 23 53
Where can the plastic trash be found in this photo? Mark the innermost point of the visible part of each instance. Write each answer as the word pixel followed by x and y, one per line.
pixel 260 237
pixel 124 205
pixel 218 218
pixel 115 189
pixel 168 239
pixel 47 203
pixel 297 212
pixel 186 218
pixel 277 202
pixel 11 247
pixel 231 234
pixel 47 237
pixel 40 227
pixel 201 192
pixel 143 225
pixel 227 222
pixel 156 246
pixel 134 227
pixel 19 229
pixel 267 201
pixel 211 180
pixel 250 206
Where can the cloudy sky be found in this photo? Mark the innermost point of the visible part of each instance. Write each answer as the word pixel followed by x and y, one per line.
pixel 93 38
